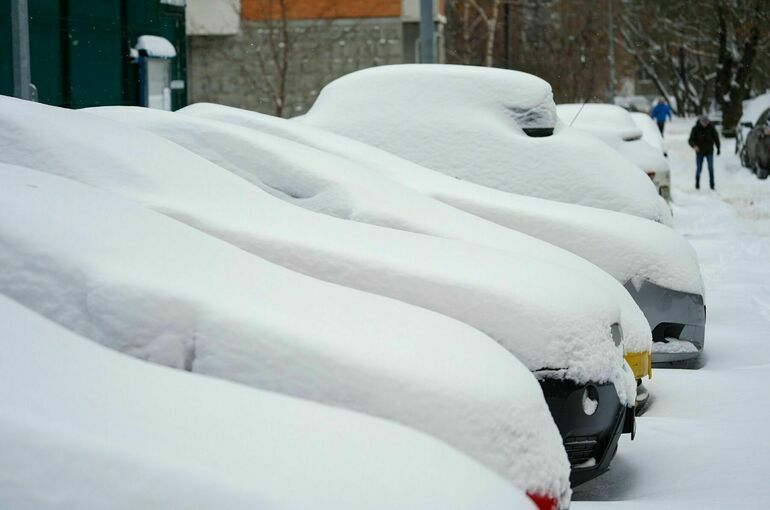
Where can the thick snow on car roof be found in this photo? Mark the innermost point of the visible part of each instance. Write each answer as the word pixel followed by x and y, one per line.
pixel 599 117
pixel 615 126
pixel 84 427
pixel 627 247
pixel 354 191
pixel 547 315
pixel 467 122
pixel 147 285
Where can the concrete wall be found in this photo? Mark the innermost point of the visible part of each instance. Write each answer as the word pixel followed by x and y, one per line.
pixel 213 17
pixel 239 70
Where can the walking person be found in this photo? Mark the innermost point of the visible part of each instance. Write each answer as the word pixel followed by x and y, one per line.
pixel 660 112
pixel 703 139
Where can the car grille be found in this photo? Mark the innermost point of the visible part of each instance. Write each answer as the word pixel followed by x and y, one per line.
pixel 580 449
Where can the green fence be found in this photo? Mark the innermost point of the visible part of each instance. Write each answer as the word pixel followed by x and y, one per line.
pixel 79 49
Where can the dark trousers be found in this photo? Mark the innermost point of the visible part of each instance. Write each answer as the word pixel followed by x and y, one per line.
pixel 661 125
pixel 699 166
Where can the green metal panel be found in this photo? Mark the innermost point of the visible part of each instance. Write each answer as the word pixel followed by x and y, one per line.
pixel 45 50
pixel 80 49
pixel 95 59
pixel 6 71
pixel 44 47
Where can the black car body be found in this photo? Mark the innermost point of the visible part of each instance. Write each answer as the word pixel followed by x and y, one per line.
pixel 590 433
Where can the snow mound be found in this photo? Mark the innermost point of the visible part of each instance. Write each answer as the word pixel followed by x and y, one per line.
pixel 492 293
pixel 464 121
pixel 147 285
pixel 628 248
pixel 548 316
pixel 615 126
pixel 84 427
pixel 156 46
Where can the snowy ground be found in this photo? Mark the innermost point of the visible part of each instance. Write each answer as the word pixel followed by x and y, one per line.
pixel 703 442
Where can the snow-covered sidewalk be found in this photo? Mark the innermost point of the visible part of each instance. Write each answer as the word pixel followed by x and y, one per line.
pixel 703 442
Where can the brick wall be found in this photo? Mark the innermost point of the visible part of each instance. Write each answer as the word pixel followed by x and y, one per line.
pixel 237 70
pixel 321 9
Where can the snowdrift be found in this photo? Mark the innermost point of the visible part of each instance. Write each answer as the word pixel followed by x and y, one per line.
pixel 547 315
pixel 152 287
pixel 84 427
pixel 467 122
pixel 630 249
pixel 353 191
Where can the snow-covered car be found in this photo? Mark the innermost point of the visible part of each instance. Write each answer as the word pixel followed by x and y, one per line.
pixel 616 126
pixel 755 144
pixel 561 325
pixel 494 127
pixel 664 279
pixel 85 427
pixel 623 246
pixel 650 131
pixel 147 285
pixel 651 135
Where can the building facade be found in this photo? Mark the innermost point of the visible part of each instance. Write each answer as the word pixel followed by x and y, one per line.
pixel 274 56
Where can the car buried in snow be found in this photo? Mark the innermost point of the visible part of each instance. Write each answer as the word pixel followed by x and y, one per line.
pixel 637 139
pixel 559 324
pixel 513 298
pixel 499 128
pixel 493 127
pixel 147 285
pixel 355 193
pixel 651 135
pixel 83 425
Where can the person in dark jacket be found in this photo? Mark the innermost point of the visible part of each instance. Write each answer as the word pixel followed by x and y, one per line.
pixel 660 112
pixel 703 139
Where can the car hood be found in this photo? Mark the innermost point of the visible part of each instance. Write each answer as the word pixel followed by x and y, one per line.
pixel 150 286
pixel 196 442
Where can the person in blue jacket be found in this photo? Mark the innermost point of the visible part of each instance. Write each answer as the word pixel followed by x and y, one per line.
pixel 660 112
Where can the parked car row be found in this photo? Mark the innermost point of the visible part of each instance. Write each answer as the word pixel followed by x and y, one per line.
pixel 429 269
pixel 634 135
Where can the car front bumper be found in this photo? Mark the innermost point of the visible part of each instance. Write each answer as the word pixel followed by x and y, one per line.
pixel 590 440
pixel 676 318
